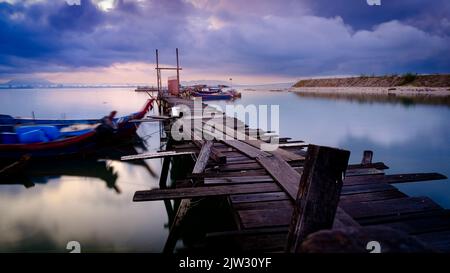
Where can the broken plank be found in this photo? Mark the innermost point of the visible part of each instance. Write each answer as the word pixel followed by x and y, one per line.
pixel 282 172
pixel 154 155
pixel 258 197
pixel 238 180
pixel 202 159
pixel 204 191
pixel 259 218
pixel 421 225
pixel 363 171
pixel 372 196
pixel 176 225
pixel 318 193
pixel 279 204
pixel 389 207
pixel 366 188
pixel 376 165
pixel 393 178
pixel 245 148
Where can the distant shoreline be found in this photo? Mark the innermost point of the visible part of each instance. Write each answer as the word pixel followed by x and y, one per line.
pixel 407 85
pixel 64 87
pixel 393 81
pixel 406 91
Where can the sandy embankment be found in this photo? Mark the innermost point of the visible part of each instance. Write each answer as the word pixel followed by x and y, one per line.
pixel 408 85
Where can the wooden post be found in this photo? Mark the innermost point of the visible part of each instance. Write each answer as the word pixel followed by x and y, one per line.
pixel 175 227
pixel 318 193
pixel 178 72
pixel 183 209
pixel 158 75
pixel 367 157
pixel 165 167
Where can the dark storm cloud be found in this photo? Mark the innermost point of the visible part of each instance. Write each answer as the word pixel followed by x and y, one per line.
pixel 360 15
pixel 286 38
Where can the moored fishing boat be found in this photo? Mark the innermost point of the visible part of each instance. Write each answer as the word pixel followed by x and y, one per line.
pixel 6 120
pixel 213 96
pixel 47 138
pixel 215 93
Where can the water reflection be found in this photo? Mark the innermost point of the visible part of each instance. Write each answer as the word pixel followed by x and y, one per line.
pixel 415 138
pixel 78 200
pixel 83 199
pixel 381 98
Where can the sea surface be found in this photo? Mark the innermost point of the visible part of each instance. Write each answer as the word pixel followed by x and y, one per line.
pixel 91 201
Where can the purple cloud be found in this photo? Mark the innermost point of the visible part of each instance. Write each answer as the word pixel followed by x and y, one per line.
pixel 285 38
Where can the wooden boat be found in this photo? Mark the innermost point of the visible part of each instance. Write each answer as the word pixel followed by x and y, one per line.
pixel 213 96
pixel 50 138
pixel 216 93
pixel 6 120
pixel 146 89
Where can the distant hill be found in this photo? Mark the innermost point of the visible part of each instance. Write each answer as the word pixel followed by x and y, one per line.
pixel 205 82
pixel 218 82
pixel 270 85
pixel 380 81
pixel 29 82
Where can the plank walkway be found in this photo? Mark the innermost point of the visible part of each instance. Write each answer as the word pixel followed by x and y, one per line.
pixel 261 188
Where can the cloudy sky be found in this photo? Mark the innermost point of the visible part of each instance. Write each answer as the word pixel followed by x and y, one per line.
pixel 113 41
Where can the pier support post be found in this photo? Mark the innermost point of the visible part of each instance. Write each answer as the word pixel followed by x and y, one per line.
pixel 367 157
pixel 318 193
pixel 185 203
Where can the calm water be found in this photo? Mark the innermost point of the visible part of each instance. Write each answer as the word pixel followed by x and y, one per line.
pixel 81 205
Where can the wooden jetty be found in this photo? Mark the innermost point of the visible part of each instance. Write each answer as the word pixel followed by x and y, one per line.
pixel 278 198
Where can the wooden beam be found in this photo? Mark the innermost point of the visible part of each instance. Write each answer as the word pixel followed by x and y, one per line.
pixel 162 194
pixel 282 173
pixel 174 233
pixel 154 155
pixel 215 154
pixel 393 178
pixel 367 157
pixel 318 193
pixel 251 141
pixel 203 157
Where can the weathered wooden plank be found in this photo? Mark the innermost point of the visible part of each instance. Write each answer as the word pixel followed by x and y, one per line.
pixel 389 207
pixel 215 153
pixel 259 197
pixel 214 173
pixel 367 157
pixel 398 218
pixel 162 194
pixel 318 193
pixel 282 172
pixel 343 220
pixel 363 171
pixel 243 166
pixel 253 240
pixel 175 228
pixel 376 165
pixel 366 188
pixel 265 217
pixel 372 196
pixel 393 178
pixel 236 161
pixel 421 225
pixel 238 180
pixel 245 148
pixel 202 159
pixel 279 204
pixel 256 143
pixel 154 155
pixel 288 144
